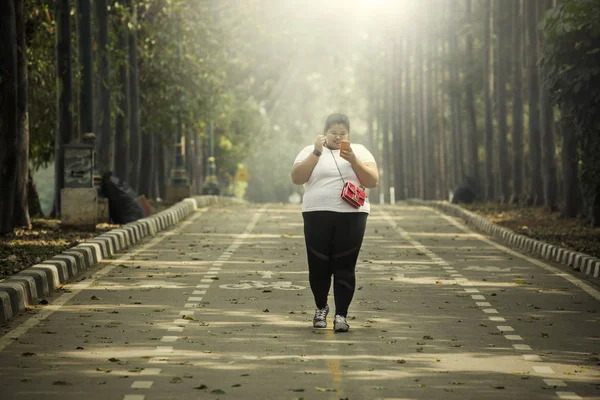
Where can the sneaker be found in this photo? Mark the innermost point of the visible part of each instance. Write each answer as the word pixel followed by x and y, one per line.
pixel 320 318
pixel 340 324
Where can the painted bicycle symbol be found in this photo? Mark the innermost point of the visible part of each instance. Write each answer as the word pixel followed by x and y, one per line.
pixel 282 285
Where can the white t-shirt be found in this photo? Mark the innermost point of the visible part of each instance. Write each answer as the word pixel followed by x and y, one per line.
pixel 322 191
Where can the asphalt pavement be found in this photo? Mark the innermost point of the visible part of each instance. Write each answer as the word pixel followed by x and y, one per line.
pixel 219 307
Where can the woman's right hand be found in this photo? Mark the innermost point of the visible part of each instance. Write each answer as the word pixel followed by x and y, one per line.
pixel 319 142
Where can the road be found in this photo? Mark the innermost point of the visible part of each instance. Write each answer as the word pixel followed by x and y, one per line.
pixel 219 308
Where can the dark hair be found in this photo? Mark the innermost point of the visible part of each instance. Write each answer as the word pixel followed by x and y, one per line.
pixel 337 118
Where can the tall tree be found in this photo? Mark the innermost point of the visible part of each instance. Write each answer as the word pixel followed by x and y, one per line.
pixel 103 138
pixel 8 114
pixel 489 127
pixel 455 105
pixel 135 148
pixel 473 136
pixel 500 62
pixel 409 122
pixel 385 183
pixel 517 109
pixel 536 194
pixel 86 91
pixel 21 210
pixel 397 122
pixel 548 145
pixel 430 120
pixel 64 89
pixel 121 124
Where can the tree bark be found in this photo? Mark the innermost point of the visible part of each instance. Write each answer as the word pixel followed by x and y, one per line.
pixel 8 114
pixel 64 88
pixel 103 139
pixel 548 145
pixel 134 106
pixel 430 121
pixel 489 127
pixel 161 171
pixel 501 77
pixel 457 147
pixel 570 167
pixel 397 126
pixel 385 183
pixel 146 166
pixel 419 120
pixel 473 136
pixel 121 125
pixel 409 125
pixel 21 210
pixel 517 110
pixel 33 198
pixel 536 194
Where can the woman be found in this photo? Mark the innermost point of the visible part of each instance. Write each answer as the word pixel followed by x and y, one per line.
pixel 333 229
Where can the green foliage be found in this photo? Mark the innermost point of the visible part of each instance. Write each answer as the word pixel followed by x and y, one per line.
pixel 571 57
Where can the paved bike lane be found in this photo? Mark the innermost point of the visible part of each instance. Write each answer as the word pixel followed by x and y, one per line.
pixel 221 308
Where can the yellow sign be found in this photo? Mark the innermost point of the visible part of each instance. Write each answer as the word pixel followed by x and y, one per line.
pixel 242 175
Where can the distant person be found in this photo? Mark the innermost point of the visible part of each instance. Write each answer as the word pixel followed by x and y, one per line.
pixel 333 229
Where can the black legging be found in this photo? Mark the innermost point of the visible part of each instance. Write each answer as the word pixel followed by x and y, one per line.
pixel 333 241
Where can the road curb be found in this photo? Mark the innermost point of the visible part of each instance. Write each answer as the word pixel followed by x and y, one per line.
pixel 577 261
pixel 29 286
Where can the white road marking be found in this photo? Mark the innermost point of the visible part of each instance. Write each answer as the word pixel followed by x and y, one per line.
pixel 568 395
pixel 164 349
pixel 191 305
pixel 199 292
pixel 181 321
pixel 169 338
pixel 202 286
pixel 522 347
pixel 513 337
pixel 186 312
pixel 214 269
pixel 267 274
pixel 134 397
pixel 490 311
pixel 210 276
pixel 158 360
pixel 505 328
pixel 543 370
pixel 483 304
pixel 50 309
pixel 478 297
pixel 175 329
pixel 554 382
pixel 556 271
pixel 206 280
pixel 471 290
pixel 150 371
pixel 497 319
pixel 142 384
pixel 532 357
pixel 194 299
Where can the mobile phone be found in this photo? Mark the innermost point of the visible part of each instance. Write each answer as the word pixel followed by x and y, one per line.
pixel 345 145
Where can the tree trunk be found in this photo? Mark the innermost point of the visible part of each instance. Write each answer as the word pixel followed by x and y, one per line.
pixel 9 139
pixel 397 126
pixel 409 125
pixel 86 92
pixel 146 166
pixel 134 106
pixel 103 138
pixel 21 209
pixel 385 183
pixel 548 145
pixel 501 77
pixel 441 105
pixel 419 120
pixel 570 166
pixel 473 136
pixel 430 121
pixel 457 153
pixel 517 110
pixel 64 88
pixel 489 126
pixel 33 198
pixel 121 126
pixel 536 194
pixel 161 172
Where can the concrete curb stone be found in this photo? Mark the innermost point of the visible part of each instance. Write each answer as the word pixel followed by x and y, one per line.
pixel 29 286
pixel 578 261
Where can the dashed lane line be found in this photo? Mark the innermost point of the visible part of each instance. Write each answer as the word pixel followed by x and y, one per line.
pixel 540 369
pixel 56 304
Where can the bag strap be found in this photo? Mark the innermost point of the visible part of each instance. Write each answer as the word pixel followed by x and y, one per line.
pixel 336 165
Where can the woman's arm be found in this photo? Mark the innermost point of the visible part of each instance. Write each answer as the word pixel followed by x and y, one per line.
pixel 367 173
pixel 302 171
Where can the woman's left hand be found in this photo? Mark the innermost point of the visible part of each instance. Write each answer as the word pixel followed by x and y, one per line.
pixel 349 155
